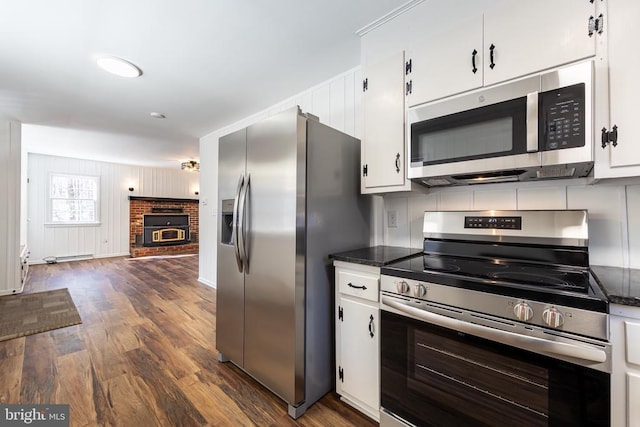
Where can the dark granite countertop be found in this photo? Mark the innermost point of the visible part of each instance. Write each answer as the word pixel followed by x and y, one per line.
pixel 621 285
pixel 376 256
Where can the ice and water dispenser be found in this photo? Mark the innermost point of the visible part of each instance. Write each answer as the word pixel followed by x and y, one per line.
pixel 226 235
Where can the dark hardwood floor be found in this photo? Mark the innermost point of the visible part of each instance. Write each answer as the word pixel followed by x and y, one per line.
pixel 144 355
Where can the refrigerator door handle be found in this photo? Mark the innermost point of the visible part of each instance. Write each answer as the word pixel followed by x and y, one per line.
pixel 243 223
pixel 235 225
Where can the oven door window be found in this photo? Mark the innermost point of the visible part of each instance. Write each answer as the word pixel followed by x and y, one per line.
pixel 495 130
pixel 436 376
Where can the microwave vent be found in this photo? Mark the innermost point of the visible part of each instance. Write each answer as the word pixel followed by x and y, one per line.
pixel 436 182
pixel 555 172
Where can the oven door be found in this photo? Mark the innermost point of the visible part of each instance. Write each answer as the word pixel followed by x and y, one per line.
pixel 441 376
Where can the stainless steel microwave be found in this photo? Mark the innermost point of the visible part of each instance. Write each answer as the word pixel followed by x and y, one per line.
pixel 537 127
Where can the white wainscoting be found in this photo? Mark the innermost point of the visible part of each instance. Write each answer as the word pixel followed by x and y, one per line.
pixel 111 237
pixel 336 102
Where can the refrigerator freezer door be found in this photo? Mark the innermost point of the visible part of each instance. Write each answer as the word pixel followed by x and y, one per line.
pixel 274 281
pixel 230 280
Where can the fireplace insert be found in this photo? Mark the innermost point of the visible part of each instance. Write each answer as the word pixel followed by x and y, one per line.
pixel 165 229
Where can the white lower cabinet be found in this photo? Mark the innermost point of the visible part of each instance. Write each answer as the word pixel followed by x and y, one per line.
pixel 357 336
pixel 625 375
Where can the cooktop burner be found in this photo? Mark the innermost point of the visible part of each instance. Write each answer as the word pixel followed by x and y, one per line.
pixel 562 278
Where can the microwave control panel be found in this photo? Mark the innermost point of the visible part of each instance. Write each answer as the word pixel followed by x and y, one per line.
pixel 562 114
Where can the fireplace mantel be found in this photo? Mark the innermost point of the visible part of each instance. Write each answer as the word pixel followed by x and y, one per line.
pixel 163 199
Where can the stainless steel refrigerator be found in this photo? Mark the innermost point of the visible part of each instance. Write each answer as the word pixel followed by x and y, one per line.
pixel 288 196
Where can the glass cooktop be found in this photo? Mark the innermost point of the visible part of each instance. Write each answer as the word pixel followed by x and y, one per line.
pixel 542 282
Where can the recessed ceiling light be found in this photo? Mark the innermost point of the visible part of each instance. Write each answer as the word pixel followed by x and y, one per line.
pixel 118 66
pixel 157 115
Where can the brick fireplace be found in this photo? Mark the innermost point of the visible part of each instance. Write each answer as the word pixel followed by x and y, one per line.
pixel 157 210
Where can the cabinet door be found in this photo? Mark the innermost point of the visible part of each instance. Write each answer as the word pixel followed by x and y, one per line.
pixel 10 140
pixel 624 86
pixel 444 64
pixel 360 351
pixel 535 35
pixel 383 148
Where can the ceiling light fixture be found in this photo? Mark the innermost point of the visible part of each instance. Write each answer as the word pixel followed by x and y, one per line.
pixel 118 66
pixel 157 115
pixel 190 165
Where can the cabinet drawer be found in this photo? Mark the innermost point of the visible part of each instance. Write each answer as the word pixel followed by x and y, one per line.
pixel 358 284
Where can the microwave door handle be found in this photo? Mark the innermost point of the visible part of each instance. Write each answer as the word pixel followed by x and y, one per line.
pixel 534 344
pixel 532 122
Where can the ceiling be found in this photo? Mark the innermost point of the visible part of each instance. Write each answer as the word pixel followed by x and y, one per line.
pixel 205 63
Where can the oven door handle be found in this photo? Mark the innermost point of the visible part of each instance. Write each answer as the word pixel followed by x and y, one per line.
pixel 534 344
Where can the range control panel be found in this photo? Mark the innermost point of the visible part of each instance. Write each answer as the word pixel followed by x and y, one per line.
pixel 502 222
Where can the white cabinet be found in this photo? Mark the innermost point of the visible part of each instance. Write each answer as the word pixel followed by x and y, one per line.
pixel 444 64
pixel 625 375
pixel 357 342
pixel 506 42
pixel 533 36
pixel 10 158
pixel 623 159
pixel 383 143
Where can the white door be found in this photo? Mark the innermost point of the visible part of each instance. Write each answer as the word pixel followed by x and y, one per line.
pixel 360 351
pixel 383 152
pixel 529 36
pixel 447 63
pixel 624 86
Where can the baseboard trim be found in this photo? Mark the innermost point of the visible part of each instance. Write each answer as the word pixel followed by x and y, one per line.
pixel 207 282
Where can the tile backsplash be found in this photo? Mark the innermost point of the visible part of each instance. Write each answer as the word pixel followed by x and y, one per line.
pixel 613 206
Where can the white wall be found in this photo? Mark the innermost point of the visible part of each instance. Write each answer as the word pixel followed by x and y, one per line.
pixel 111 237
pixel 336 102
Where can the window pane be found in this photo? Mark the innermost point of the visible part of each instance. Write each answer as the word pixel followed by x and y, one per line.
pixel 73 199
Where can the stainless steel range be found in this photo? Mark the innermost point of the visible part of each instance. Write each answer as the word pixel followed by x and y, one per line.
pixel 498 322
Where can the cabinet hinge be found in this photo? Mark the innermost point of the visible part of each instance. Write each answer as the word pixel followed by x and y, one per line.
pixel 407 67
pixel 365 85
pixel 610 137
pixel 595 25
pixel 340 314
pixel 365 170
pixel 341 374
pixel 409 86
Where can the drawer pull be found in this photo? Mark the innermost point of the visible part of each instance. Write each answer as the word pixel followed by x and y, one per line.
pixel 351 285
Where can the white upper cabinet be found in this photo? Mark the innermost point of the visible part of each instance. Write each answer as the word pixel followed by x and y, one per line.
pixel 622 157
pixel 447 63
pixel 383 143
pixel 529 36
pixel 508 41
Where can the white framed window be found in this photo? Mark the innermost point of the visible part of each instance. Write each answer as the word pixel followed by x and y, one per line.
pixel 74 199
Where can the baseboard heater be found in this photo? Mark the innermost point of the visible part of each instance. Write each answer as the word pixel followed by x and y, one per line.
pixel 55 259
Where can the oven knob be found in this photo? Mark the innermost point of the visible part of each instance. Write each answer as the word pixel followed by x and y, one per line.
pixel 419 290
pixel 402 286
pixel 553 317
pixel 523 311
